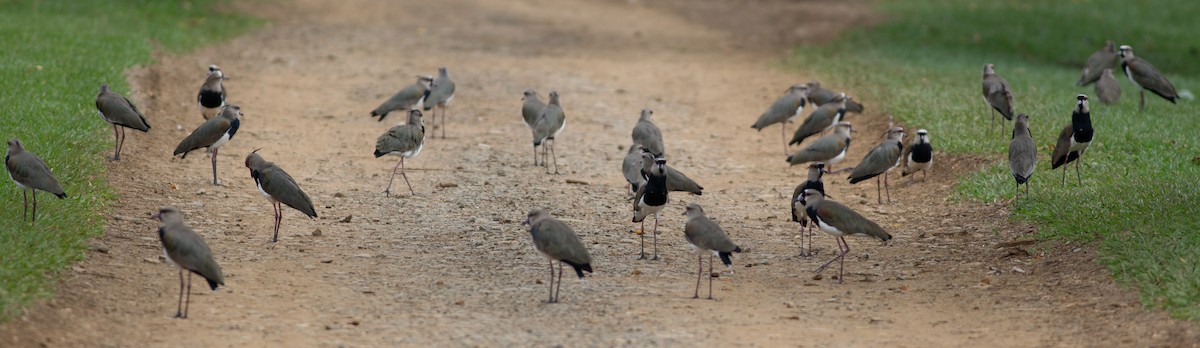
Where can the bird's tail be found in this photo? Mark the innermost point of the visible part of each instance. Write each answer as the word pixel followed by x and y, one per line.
pixel 580 268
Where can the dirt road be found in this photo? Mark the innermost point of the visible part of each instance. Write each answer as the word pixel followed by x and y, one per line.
pixel 453 266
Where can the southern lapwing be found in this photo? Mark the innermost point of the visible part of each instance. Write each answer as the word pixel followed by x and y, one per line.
pixel 557 242
pixel 996 93
pixel 1022 154
pixel 819 96
pixel 118 111
pixel 441 91
pixel 1074 139
pixel 186 249
pixel 531 107
pixel 211 98
pixel 650 198
pixel 840 221
pixel 405 141
pixel 279 188
pixel 708 238
pixel 549 124
pixel 1105 58
pixel 410 97
pixel 677 181
pixel 631 167
pixel 815 171
pixel 830 149
pixel 821 119
pixel 1107 88
pixel 880 161
pixel 1146 77
pixel 30 173
pixel 647 134
pixel 212 134
pixel 918 156
pixel 784 110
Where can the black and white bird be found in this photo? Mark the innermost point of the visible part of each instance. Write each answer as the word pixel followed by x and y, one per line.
pixel 1022 154
pixel 441 91
pixel 650 198
pixel 996 93
pixel 213 134
pixel 279 188
pixel 1074 139
pixel 550 123
pixel 708 238
pixel 1146 77
pixel 404 141
pixel 211 98
pixel 840 221
pixel 816 170
pixel 118 111
pixel 30 173
pixel 918 156
pixel 410 97
pixel 880 161
pixel 557 242
pixel 187 250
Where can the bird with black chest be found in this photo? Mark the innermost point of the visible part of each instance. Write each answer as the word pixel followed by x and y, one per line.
pixel 821 119
pixel 839 221
pixel 880 161
pixel 121 113
pixel 1074 139
pixel 708 238
pixel 404 141
pixel 1107 88
pixel 410 97
pixel 650 198
pixel 784 110
pixel 550 123
pixel 647 134
pixel 213 134
pixel 1022 154
pixel 279 188
pixel 1105 58
pixel 211 98
pixel 816 171
pixel 30 173
pixel 829 149
pixel 918 156
pixel 557 242
pixel 441 91
pixel 997 93
pixel 187 250
pixel 1146 77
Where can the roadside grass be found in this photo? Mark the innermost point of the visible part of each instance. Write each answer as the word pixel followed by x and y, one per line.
pixel 1140 195
pixel 56 54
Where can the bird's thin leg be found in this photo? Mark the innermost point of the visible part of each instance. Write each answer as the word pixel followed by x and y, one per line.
pixel 116 144
pixel 551 299
pixel 34 216
pixel 278 218
pixel 642 234
pixel 535 156
pixel 1064 174
pixel 699 271
pixel 554 154
pixel 783 136
pixel 179 305
pixel 1078 177
pixel 655 234
pixel 388 191
pixel 878 186
pixel 405 176
pixel 1142 104
pixel 444 107
pixel 993 118
pixel 835 257
pixel 24 207
pixel 214 166
pixel 842 259
pixel 710 264
pixel 122 147
pixel 558 288
pixel 188 302
pixel 887 188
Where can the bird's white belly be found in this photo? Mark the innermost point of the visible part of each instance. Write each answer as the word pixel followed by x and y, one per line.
pixel 649 209
pixel 413 153
pixel 448 99
pixel 841 156
pixel 1129 74
pixel 1078 147
pixel 21 186
pixel 224 139
pixel 103 117
pixel 829 229
pixel 560 128
pixel 265 194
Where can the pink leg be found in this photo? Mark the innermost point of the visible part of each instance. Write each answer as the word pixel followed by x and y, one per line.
pixel 214 165
pixel 699 271
pixel 655 235
pixel 405 176
pixel 388 191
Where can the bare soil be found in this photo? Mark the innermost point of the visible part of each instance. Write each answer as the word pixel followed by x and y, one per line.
pixel 452 266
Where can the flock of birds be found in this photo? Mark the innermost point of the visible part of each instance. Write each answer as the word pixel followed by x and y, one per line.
pixel 644 167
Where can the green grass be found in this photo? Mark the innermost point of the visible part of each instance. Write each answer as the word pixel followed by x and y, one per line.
pixel 1141 184
pixel 55 55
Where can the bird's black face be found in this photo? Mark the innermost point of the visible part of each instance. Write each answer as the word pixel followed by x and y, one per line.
pixel 1081 102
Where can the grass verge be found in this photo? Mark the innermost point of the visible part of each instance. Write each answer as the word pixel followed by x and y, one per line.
pixel 56 54
pixel 1141 177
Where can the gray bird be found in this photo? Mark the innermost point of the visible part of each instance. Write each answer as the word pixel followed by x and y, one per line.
pixel 631 168
pixel 1105 58
pixel 1022 153
pixel 279 188
pixel 531 108
pixel 708 238
pixel 784 110
pixel 441 91
pixel 676 181
pixel 821 119
pixel 1074 139
pixel 30 173
pixel 996 93
pixel 405 141
pixel 1146 77
pixel 187 250
pixel 840 221
pixel 118 111
pixel 646 134
pixel 211 98
pixel 557 242
pixel 411 97
pixel 918 156
pixel 1107 88
pixel 550 123
pixel 650 198
pixel 830 149
pixel 880 161
pixel 213 134
pixel 819 96
pixel 815 171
